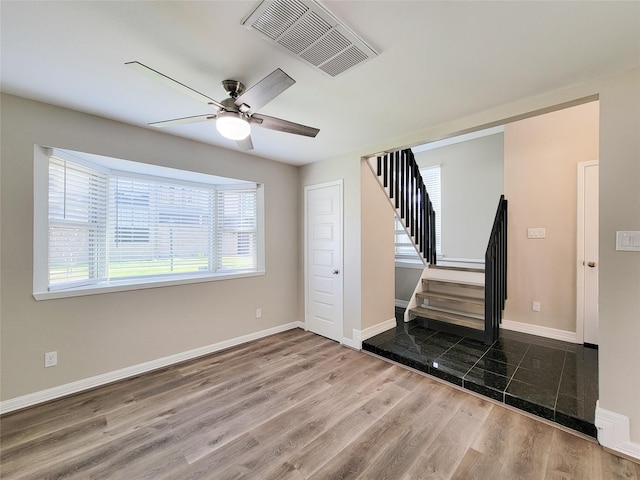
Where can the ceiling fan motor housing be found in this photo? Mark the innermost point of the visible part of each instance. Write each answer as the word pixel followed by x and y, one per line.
pixel 229 105
pixel 233 87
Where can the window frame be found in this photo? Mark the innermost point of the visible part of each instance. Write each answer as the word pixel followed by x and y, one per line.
pixel 41 287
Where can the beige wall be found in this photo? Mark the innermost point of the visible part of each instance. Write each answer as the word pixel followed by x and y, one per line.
pixel 378 226
pixel 619 353
pixel 472 182
pixel 540 161
pixel 101 333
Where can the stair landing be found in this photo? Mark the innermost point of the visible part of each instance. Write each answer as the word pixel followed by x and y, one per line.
pixel 554 380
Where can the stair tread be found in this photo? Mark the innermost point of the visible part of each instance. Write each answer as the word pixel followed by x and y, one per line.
pixel 453 318
pixel 451 297
pixel 457 269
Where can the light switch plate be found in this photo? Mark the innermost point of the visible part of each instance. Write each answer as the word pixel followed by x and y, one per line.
pixel 536 233
pixel 628 241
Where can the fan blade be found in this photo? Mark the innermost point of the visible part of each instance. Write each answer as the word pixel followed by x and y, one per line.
pixel 265 90
pixel 273 123
pixel 183 120
pixel 150 72
pixel 245 144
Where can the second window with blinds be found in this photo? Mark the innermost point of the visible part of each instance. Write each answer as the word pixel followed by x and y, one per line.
pixel 405 251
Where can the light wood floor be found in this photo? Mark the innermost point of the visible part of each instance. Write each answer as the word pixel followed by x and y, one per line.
pixel 291 406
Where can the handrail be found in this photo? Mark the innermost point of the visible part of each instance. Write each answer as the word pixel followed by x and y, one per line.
pixel 495 274
pixel 401 177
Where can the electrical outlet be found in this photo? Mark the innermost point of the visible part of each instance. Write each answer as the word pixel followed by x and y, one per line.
pixel 536 306
pixel 51 359
pixel 258 312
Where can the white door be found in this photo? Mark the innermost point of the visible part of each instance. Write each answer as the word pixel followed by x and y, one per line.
pixel 323 259
pixel 587 292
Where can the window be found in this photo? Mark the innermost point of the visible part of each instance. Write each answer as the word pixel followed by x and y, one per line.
pixel 405 252
pixel 111 228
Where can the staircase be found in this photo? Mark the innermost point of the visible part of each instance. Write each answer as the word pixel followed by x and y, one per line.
pixel 465 300
pixel 451 298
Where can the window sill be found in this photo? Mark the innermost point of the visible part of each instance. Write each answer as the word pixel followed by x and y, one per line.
pixel 127 285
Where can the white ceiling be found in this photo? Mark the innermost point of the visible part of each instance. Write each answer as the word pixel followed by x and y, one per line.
pixel 438 61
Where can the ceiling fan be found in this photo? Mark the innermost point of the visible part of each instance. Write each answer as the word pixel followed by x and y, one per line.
pixel 235 114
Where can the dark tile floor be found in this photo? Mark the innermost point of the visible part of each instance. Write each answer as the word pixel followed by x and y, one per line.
pixel 548 378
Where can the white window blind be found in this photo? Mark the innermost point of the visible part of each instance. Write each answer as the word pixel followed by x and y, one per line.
pixel 128 226
pixel 77 223
pixel 431 178
pixel 404 249
pixel 158 228
pixel 236 232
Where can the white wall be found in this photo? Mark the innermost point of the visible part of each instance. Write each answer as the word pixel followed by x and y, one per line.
pixel 97 334
pixel 406 281
pixel 471 182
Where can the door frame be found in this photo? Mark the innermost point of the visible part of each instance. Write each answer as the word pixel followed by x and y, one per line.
pixel 307 189
pixel 580 254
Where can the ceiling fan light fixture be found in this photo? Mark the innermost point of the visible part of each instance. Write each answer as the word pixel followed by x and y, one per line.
pixel 232 125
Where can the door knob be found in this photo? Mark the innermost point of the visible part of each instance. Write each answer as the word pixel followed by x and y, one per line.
pixel 592 264
pixel 336 271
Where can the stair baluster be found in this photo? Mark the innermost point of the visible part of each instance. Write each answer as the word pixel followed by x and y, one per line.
pixel 496 274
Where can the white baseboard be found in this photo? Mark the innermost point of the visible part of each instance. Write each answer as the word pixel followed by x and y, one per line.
pixel 401 303
pixel 613 432
pixel 360 335
pixel 540 331
pixel 355 343
pixel 379 328
pixel 49 394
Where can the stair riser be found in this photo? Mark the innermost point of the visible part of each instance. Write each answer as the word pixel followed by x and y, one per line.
pixel 456 319
pixel 453 275
pixel 460 290
pixel 455 306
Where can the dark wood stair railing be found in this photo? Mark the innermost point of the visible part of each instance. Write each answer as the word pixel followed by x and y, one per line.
pixel 495 274
pixel 401 176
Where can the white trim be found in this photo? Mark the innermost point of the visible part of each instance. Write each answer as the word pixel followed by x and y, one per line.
pixel 442 258
pixel 613 432
pixel 356 342
pixel 360 335
pixel 402 303
pixel 125 285
pixel 60 391
pixel 379 328
pixel 580 237
pixel 413 301
pixel 458 138
pixel 540 331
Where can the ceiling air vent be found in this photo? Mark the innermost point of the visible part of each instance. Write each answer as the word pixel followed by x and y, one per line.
pixel 308 31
